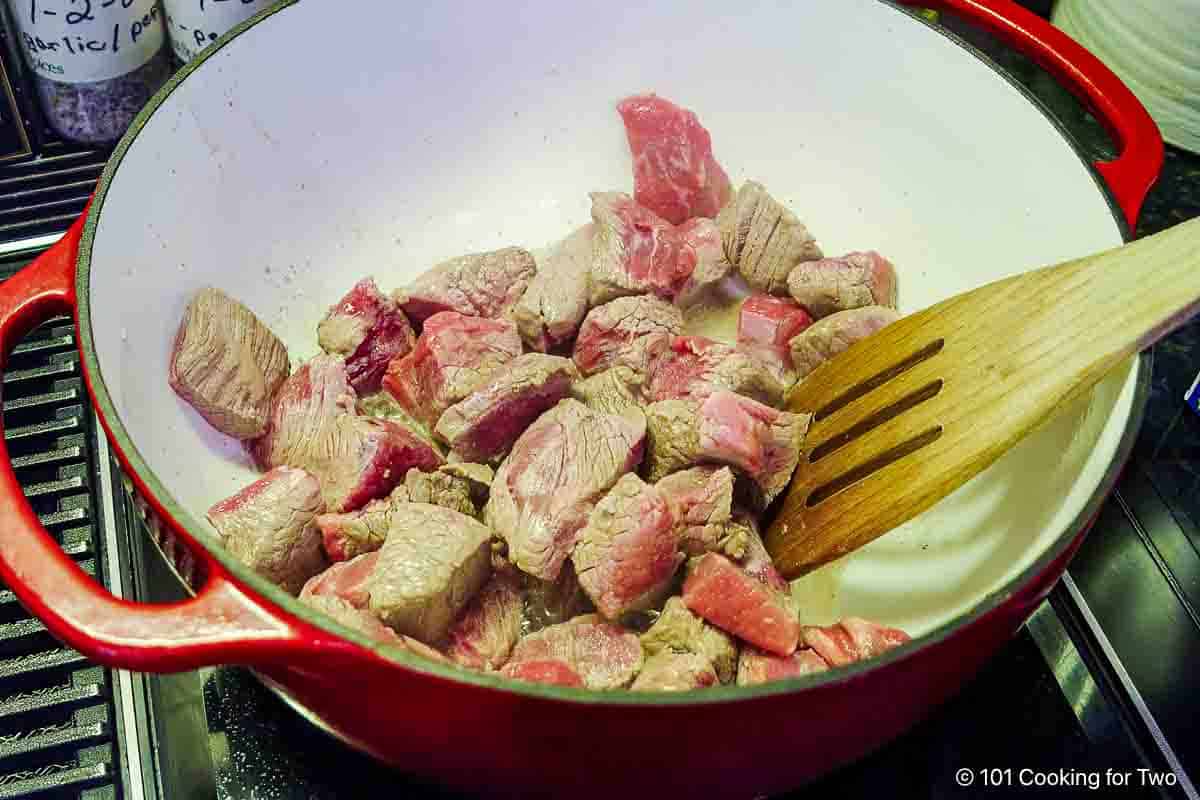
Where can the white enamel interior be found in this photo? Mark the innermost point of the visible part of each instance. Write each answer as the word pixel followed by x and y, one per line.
pixel 317 149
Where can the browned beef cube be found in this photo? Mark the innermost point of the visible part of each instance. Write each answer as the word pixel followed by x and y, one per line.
pixel 701 500
pixel 614 391
pixel 726 428
pixel 603 655
pixel 620 331
pixel 477 285
pixel 675 672
pixel 369 330
pixel 367 458
pixel 627 553
pixel 725 595
pixel 270 526
pixel 852 639
pixel 755 666
pixel 834 334
pixel 462 487
pixel 485 634
pixel 549 313
pixel 695 367
pixel 455 354
pixel 433 562
pixel 552 602
pixel 345 580
pixel 367 623
pixel 712 267
pixel 764 240
pixel 304 413
pixel 557 470
pixel 226 364
pixel 484 425
pixel 829 285
pixel 678 630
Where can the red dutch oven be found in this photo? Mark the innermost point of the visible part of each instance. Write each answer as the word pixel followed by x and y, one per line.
pixel 318 143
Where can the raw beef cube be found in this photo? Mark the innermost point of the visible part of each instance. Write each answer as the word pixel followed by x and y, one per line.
pixel 270 526
pixel 455 354
pixel 614 391
pixel 854 280
pixel 603 655
pixel 674 172
pixel 477 285
pixel 770 321
pixel 834 334
pixel 462 487
pixel 549 671
pixel 367 458
pixel 627 553
pixel 722 593
pixel 701 500
pixel 557 470
pixel 485 634
pixel 635 251
pixel 484 425
pixel 678 630
pixel 345 580
pixel 755 666
pixel 695 367
pixel 369 330
pixel 610 331
pixel 304 414
pixel 726 428
pixel 549 313
pixel 675 672
pixel 763 239
pixel 552 602
pixel 756 561
pixel 762 442
pixel 345 536
pixel 433 562
pixel 226 364
pixel 712 267
pixel 851 640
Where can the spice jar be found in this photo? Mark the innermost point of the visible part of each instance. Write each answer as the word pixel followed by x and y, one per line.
pixel 195 24
pixel 94 63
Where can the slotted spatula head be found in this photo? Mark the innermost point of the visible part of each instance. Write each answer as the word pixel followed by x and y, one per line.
pixel 906 416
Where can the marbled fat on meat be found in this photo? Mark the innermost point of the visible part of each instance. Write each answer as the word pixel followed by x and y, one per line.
pixel 694 366
pixel 635 251
pixel 227 364
pixel 619 333
pixel 674 171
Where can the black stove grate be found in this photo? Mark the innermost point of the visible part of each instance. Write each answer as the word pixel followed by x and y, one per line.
pixel 57 712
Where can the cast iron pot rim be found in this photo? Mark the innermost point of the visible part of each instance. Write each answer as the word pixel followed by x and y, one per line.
pixel 185 522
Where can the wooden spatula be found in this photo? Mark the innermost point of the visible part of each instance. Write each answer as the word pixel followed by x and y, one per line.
pixel 906 416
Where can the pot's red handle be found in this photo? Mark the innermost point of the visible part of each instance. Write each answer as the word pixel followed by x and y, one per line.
pixel 1138 141
pixel 221 624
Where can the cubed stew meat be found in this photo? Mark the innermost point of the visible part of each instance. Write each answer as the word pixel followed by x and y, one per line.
pixel 543 463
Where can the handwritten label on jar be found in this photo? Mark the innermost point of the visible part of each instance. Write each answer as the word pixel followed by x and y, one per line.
pixel 81 41
pixel 195 24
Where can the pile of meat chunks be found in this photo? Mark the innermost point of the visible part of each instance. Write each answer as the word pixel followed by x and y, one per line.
pixel 523 465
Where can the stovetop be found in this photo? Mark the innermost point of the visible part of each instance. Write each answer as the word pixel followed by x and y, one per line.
pixel 1102 679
